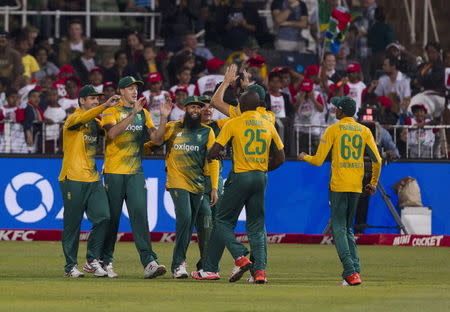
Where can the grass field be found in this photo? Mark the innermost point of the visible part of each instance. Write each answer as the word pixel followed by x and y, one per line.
pixel 301 278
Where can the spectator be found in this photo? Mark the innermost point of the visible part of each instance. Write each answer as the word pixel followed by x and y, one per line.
pixel 30 33
pixel 70 101
pixel 308 111
pixel 388 113
pixel 250 50
pixel 342 58
pixel 362 25
pixel 239 23
pixel 85 62
pixel 54 115
pixel 4 83
pixel 279 103
pixel 134 47
pixel 96 78
pixel 12 112
pixel 60 80
pixel 178 110
pixel 149 62
pixel 73 46
pixel 357 88
pixel 256 67
pixel 155 96
pixel 420 141
pixel 109 89
pixel 431 74
pixel 120 69
pixel 329 66
pixel 216 70
pixel 10 60
pixel 394 81
pixel 186 59
pixel 30 65
pixel 190 44
pixel 406 60
pixel 184 79
pixel 46 68
pixel 42 41
pixel 290 17
pixel 108 62
pixel 33 114
pixel 379 36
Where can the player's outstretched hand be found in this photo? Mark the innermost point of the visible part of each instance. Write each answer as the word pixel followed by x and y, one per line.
pixel 115 99
pixel 230 74
pixel 166 108
pixel 214 197
pixel 246 81
pixel 369 188
pixel 139 105
pixel 301 156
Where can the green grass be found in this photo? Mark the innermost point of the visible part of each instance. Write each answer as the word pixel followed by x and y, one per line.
pixel 301 278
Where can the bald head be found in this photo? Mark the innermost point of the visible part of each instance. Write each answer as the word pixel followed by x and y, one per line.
pixel 249 100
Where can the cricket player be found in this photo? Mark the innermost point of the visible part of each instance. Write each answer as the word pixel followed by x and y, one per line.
pixel 206 212
pixel 349 141
pixel 188 141
pixel 252 137
pixel 80 184
pixel 128 126
pixel 233 111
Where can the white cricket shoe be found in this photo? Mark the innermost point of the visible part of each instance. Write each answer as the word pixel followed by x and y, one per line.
pixel 110 270
pixel 181 271
pixel 95 267
pixel 74 273
pixel 153 269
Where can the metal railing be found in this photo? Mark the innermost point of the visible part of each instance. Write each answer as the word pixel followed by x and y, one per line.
pixel 300 133
pixel 24 13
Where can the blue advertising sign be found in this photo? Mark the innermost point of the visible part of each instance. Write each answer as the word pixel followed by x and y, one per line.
pixel 296 197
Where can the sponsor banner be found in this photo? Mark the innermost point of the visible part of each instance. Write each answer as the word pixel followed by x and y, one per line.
pixel 283 238
pixel 296 197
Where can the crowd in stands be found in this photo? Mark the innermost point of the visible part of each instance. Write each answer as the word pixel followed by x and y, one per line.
pixel 40 78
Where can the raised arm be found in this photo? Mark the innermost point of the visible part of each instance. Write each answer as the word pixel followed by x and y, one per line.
pixel 157 136
pixel 76 120
pixel 113 130
pixel 217 99
pixel 326 142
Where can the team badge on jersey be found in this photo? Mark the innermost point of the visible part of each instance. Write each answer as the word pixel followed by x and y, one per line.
pixel 139 117
pixel 199 137
pixel 69 195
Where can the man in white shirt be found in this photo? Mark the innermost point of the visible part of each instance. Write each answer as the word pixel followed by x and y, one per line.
pixel 216 70
pixel 394 81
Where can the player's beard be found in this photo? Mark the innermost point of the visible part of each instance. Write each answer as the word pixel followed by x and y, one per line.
pixel 192 123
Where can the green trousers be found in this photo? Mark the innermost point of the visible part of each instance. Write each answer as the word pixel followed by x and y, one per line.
pixel 343 207
pixel 205 218
pixel 132 189
pixel 186 209
pixel 241 189
pixel 78 198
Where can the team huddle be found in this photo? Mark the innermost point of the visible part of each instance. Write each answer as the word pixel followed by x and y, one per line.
pixel 194 149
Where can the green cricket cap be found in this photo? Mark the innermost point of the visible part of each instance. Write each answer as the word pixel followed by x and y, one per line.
pixel 194 100
pixel 128 81
pixel 206 99
pixel 345 103
pixel 258 89
pixel 88 90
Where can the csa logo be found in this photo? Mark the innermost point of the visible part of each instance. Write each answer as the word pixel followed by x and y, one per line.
pixel 33 180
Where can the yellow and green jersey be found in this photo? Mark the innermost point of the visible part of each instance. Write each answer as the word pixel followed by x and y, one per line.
pixel 186 162
pixel 251 136
pixel 80 134
pixel 234 111
pixel 216 125
pixel 123 154
pixel 348 141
